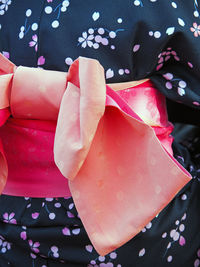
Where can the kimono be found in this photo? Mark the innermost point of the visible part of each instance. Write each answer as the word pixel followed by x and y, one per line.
pixel 126 41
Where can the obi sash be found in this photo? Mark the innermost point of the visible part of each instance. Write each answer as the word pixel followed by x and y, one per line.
pixel 118 161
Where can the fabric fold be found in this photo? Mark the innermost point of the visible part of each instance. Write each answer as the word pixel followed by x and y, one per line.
pixel 121 175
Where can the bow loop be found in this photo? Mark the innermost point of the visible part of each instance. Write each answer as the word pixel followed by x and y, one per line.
pixel 81 109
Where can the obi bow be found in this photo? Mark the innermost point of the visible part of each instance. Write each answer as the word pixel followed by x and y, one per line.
pixel 120 174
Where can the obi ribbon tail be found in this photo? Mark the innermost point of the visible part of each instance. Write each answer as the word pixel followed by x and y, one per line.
pixel 120 174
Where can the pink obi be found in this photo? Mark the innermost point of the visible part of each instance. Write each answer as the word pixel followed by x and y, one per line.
pixel 114 147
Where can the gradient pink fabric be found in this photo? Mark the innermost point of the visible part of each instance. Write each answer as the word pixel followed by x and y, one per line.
pixel 120 173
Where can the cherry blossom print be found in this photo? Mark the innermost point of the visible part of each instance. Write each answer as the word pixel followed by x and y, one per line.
pixel 181 22
pixel 164 56
pixel 4 6
pixel 170 30
pixel 196 6
pixel 177 83
pixel 34 246
pixel 102 261
pixel 109 73
pixel 138 3
pixel 195 29
pixel 94 37
pixel 142 252
pixel 9 218
pixel 34 42
pixel 138 39
pixel 89 248
pixel 68 61
pixel 123 71
pixel 70 215
pixel 156 34
pixel 147 227
pixel 66 231
pixel 54 251
pixel 35 215
pixel 197 260
pixel 86 39
pixel 175 235
pixel 4 245
pixel 136 47
pixel 95 16
pixel 23 235
pixel 57 11
pixel 24 29
pixel 41 61
pixel 6 54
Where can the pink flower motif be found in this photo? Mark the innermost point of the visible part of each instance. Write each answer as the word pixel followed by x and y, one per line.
pixel 159 66
pixel 49 1
pixel 6 54
pixel 23 235
pixel 8 218
pixel 35 215
pixel 66 231
pixel 41 61
pixel 182 241
pixel 195 29
pixel 70 215
pixel 34 246
pixel 33 256
pixel 34 42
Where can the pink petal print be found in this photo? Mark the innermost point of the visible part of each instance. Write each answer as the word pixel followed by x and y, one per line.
pixel 195 25
pixel 54 249
pixel 136 48
pixel 13 221
pixel 35 38
pixel 32 43
pixel 36 250
pixel 33 256
pixel 70 215
pixel 30 243
pixel 11 215
pixel 197 263
pixel 66 231
pixel 182 241
pixel 36 245
pixel 6 54
pixel 159 66
pixel 23 235
pixel 41 61
pixel 35 215
pixel 5 216
pixel 89 248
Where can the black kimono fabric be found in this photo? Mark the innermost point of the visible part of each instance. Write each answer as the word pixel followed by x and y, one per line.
pixel 133 40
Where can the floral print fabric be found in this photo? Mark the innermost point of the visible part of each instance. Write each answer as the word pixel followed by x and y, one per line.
pixel 132 39
pixel 45 232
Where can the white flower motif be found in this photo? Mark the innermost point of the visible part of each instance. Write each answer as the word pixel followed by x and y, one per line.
pixel 5 4
pixel 86 40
